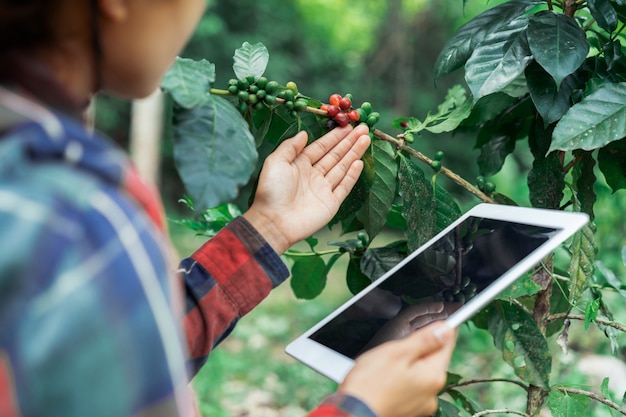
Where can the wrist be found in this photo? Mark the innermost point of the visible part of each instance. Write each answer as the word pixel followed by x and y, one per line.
pixel 267 228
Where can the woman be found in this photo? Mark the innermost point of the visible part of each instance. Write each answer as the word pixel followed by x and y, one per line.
pixel 90 304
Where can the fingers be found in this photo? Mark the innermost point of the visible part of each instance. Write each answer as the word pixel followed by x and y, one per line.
pixel 346 183
pixel 327 146
pixel 291 148
pixel 427 340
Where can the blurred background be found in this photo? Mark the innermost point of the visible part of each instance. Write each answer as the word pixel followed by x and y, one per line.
pixel 383 52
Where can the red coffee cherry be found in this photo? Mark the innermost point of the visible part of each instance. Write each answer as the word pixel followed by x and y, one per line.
pixel 345 103
pixel 332 110
pixel 342 119
pixel 334 100
pixel 354 115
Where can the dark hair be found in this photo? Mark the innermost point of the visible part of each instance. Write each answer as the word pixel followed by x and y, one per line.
pixel 26 23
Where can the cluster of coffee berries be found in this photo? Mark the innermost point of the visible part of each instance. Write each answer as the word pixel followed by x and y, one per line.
pixel 435 164
pixel 341 113
pixel 253 92
pixel 459 293
pixel 485 186
pixel 293 101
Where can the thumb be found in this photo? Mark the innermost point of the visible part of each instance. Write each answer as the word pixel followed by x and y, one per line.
pixel 428 339
pixel 289 149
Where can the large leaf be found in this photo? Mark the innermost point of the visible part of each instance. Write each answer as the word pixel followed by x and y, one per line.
pixel 612 162
pixel 381 170
pixel 448 209
pixel 604 13
pixel 568 405
pixel 546 179
pixel 600 118
pixel 308 277
pixel 558 44
pixel 517 336
pixel 494 153
pixel 355 279
pixel 583 250
pixel 189 82
pixel 419 206
pixel 214 152
pixel 460 47
pixel 584 179
pixel 250 60
pixel 377 261
pixel 551 102
pixel 499 59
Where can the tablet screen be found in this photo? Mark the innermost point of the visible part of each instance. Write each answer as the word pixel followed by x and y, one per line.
pixel 433 284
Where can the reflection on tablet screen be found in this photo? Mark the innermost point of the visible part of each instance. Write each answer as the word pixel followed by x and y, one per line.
pixel 433 284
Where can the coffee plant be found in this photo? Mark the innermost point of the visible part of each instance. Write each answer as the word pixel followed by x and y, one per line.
pixel 543 75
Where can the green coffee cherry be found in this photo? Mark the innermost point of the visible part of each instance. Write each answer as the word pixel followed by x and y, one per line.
pixel 243 84
pixel 271 87
pixel 233 89
pixel 251 79
pixel 300 105
pixel 436 165
pixel 439 155
pixel 293 87
pixel 409 137
pixel 367 107
pixel 490 187
pixel 261 83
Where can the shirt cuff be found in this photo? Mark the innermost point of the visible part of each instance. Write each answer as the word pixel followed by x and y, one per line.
pixel 262 251
pixel 349 405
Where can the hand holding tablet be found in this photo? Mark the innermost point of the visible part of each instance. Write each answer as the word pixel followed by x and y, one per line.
pixel 451 277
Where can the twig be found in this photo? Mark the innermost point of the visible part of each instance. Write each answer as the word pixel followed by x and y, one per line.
pixel 501 411
pixel 573 162
pixel 445 171
pixel 605 322
pixel 593 396
pixel 482 381
pixel 400 145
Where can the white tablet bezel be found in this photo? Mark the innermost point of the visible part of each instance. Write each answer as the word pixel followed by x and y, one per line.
pixel 335 366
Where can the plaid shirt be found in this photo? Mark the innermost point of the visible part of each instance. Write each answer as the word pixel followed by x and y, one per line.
pixel 90 303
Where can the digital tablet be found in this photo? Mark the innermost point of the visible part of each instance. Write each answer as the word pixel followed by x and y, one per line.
pixel 451 277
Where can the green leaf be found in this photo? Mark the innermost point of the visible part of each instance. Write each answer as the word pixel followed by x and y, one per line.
pixel 612 163
pixel 355 279
pixel 487 108
pixel 551 102
pixel 600 118
pixel 419 207
pixel 214 152
pixel 499 59
pixel 546 179
pixel 380 171
pixel 604 13
pixel 308 277
pixel 211 220
pixel 591 312
pixel 583 251
pixel 189 82
pixel 447 409
pixel 448 209
pixel 377 261
pixel 466 403
pixel 609 277
pixel 523 347
pixel 557 43
pixel 460 47
pixel 450 113
pixel 494 153
pixel 606 393
pixel 584 178
pixel 522 287
pixel 568 405
pixel 250 60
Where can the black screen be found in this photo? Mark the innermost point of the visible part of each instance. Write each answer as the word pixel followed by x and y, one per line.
pixel 432 284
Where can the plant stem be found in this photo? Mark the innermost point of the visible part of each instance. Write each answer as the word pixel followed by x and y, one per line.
pixel 400 145
pixel 602 321
pixel 445 171
pixel 303 254
pixel 570 8
pixel 550 5
pixel 219 92
pixel 593 396
pixel 501 411
pixel 483 381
